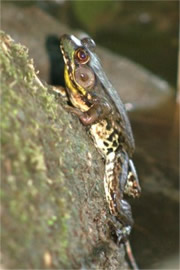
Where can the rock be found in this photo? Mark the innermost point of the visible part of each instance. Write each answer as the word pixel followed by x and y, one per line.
pixel 54 214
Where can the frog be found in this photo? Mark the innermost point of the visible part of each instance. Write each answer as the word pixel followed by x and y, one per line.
pixel 93 99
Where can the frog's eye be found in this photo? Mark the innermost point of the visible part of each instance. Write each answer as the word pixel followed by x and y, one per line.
pixel 82 56
pixel 85 77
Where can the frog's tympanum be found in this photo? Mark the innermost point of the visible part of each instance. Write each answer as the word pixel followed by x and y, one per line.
pixel 98 106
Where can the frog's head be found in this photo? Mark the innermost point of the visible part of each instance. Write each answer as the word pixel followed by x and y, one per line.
pixel 79 76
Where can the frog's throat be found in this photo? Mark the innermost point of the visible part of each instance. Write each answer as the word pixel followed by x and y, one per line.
pixel 71 85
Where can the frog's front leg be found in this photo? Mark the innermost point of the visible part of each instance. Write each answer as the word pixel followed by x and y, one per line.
pixel 119 208
pixel 60 91
pixel 97 111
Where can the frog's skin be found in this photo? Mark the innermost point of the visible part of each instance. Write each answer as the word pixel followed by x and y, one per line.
pixel 94 100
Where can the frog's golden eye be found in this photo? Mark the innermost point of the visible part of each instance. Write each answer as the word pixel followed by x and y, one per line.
pixel 85 77
pixel 82 56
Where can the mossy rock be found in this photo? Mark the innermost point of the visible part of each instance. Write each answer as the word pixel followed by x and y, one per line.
pixel 54 213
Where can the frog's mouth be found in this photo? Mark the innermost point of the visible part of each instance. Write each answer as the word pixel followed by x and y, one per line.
pixel 69 65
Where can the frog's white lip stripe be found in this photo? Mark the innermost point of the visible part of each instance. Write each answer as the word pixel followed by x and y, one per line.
pixel 76 41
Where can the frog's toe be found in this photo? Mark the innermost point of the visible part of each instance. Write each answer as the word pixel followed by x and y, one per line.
pixel 123 233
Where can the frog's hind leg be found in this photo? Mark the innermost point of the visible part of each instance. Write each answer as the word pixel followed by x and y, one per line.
pixel 132 187
pixel 119 208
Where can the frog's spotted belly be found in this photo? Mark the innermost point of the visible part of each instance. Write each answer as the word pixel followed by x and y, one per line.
pixel 105 137
pixel 107 140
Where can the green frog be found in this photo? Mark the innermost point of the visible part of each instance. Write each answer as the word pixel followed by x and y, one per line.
pixel 98 106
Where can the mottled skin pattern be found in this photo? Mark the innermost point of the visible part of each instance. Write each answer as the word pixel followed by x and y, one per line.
pixel 106 126
pixel 109 141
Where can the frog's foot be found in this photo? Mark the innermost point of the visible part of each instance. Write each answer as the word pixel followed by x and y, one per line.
pixel 123 234
pixel 60 92
pixel 132 187
pixel 96 112
pixel 122 231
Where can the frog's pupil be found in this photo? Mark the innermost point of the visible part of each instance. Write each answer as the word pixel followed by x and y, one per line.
pixel 82 55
